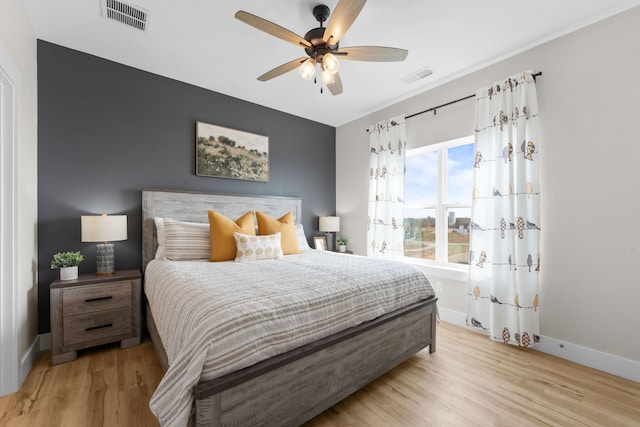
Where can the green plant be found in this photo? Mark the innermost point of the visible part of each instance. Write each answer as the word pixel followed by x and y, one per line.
pixel 342 240
pixel 66 259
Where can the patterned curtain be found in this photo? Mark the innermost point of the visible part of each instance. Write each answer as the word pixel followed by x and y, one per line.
pixel 385 226
pixel 505 229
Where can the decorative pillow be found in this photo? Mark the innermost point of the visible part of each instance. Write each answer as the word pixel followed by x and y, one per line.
pixel 303 243
pixel 285 225
pixel 159 237
pixel 253 248
pixel 223 245
pixel 186 240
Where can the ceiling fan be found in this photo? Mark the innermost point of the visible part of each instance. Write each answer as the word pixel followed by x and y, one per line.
pixel 321 44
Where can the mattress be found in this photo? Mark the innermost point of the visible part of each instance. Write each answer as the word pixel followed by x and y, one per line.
pixel 217 318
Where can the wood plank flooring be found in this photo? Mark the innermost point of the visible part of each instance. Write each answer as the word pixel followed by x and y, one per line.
pixel 469 381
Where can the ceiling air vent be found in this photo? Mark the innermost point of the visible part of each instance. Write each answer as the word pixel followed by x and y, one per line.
pixel 418 75
pixel 128 14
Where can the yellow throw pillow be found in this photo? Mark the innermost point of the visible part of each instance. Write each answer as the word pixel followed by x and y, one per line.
pixel 285 225
pixel 223 244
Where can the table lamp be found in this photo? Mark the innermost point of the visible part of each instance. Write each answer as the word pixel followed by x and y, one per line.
pixel 104 228
pixel 329 225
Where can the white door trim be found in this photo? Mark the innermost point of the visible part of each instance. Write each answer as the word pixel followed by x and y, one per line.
pixel 10 331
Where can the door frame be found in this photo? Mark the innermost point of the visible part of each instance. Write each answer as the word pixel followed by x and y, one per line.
pixel 10 331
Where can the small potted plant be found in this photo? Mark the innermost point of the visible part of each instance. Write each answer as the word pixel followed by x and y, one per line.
pixel 67 262
pixel 342 244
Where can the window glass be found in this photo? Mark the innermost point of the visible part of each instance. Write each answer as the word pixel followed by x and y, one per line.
pixel 460 173
pixel 420 233
pixel 459 221
pixel 421 179
pixel 438 196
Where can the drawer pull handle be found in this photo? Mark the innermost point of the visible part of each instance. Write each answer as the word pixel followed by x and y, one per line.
pixel 98 299
pixel 98 327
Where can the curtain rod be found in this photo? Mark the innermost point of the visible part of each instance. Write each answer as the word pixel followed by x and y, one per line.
pixel 457 100
pixel 538 74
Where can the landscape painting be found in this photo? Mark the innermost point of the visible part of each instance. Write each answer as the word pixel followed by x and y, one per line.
pixel 228 153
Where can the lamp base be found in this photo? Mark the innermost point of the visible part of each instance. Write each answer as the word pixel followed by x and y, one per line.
pixel 329 241
pixel 105 259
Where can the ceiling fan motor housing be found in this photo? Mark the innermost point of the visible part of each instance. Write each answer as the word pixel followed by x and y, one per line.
pixel 318 46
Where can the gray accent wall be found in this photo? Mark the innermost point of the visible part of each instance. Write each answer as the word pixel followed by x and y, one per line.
pixel 107 131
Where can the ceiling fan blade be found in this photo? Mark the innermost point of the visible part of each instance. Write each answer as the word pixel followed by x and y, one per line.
pixel 271 28
pixel 336 87
pixel 372 53
pixel 284 68
pixel 345 12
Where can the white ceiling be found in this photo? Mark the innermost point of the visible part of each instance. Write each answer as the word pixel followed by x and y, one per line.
pixel 201 43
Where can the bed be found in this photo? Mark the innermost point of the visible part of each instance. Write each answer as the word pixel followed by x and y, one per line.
pixel 277 387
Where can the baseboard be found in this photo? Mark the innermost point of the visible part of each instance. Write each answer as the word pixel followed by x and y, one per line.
pixel 454 317
pixel 29 358
pixel 45 341
pixel 606 362
pixel 610 363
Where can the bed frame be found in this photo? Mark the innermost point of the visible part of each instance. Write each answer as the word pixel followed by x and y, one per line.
pixel 293 387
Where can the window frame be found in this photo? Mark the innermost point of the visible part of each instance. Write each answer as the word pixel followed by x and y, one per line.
pixel 440 266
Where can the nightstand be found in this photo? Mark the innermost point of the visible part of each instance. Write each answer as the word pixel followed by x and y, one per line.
pixel 93 310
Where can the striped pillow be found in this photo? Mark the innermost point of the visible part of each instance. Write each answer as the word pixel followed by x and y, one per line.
pixel 186 240
pixel 253 248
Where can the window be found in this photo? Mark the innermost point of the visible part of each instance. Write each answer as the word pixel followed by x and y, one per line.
pixel 437 210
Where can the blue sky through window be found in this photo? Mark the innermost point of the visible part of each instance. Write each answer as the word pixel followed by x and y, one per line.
pixel 421 179
pixel 460 171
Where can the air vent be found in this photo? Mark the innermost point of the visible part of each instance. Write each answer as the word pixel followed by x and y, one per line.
pixel 418 75
pixel 127 14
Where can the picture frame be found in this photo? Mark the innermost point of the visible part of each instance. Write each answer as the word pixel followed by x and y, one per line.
pixel 320 243
pixel 229 153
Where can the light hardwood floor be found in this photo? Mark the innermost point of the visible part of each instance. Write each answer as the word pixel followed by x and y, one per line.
pixel 469 381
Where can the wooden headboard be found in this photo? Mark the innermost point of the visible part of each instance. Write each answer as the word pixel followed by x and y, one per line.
pixel 193 207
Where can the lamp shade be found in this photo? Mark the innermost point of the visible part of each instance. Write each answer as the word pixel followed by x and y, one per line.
pixel 329 224
pixel 103 228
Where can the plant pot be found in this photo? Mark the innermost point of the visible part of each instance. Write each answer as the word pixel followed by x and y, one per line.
pixel 68 273
pixel 342 248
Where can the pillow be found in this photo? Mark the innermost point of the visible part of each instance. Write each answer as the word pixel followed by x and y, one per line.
pixel 253 248
pixel 186 240
pixel 223 245
pixel 303 243
pixel 285 225
pixel 159 237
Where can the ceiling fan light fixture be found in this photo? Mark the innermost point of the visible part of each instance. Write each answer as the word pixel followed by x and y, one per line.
pixel 330 63
pixel 308 69
pixel 327 77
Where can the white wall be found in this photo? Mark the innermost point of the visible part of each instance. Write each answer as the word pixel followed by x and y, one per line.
pixel 18 38
pixel 589 102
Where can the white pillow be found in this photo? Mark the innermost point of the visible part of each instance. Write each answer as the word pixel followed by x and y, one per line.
pixel 253 248
pixel 185 241
pixel 159 237
pixel 302 238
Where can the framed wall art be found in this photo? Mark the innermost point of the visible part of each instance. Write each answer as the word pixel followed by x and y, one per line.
pixel 228 153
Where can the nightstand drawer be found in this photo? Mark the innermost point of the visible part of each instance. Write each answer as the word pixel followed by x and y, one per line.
pixel 89 299
pixel 96 326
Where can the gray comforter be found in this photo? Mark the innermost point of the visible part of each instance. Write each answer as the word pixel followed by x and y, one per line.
pixel 216 318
